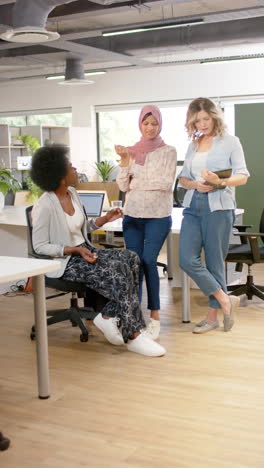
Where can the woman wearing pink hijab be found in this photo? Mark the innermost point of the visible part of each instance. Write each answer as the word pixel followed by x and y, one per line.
pixel 147 174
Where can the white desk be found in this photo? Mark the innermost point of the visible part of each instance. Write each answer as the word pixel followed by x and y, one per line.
pixel 13 232
pixel 13 235
pixel 15 268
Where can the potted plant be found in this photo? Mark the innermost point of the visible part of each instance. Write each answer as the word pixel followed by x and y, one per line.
pixel 34 191
pixel 104 169
pixel 30 142
pixel 7 182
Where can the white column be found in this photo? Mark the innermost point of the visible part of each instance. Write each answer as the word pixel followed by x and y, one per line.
pixel 83 131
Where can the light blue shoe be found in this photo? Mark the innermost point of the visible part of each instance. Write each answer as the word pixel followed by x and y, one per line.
pixel 205 327
pixel 200 324
pixel 229 318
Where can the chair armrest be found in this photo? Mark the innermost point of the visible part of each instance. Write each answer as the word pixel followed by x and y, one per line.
pixel 249 234
pixel 242 227
pixel 253 241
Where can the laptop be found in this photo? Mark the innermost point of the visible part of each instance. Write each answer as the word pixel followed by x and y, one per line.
pixel 106 204
pixel 92 202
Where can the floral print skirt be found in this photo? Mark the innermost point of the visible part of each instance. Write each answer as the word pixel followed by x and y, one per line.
pixel 114 276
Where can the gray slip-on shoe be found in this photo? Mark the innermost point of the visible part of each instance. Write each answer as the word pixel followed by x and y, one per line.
pixel 200 324
pixel 229 318
pixel 206 327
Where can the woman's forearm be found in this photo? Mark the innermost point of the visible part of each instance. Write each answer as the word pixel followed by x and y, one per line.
pixel 101 221
pixel 71 250
pixel 234 181
pixel 188 183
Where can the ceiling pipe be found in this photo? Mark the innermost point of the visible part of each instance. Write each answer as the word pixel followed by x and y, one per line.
pixel 74 72
pixel 200 36
pixel 74 69
pixel 29 20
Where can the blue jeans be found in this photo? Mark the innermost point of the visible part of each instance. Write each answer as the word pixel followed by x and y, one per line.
pixel 203 229
pixel 145 236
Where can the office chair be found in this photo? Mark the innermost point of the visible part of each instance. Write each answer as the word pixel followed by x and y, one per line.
pixel 178 194
pixel 74 313
pixel 4 442
pixel 248 252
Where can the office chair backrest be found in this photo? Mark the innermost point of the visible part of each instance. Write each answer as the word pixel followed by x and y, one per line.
pixel 178 194
pixel 31 251
pixel 261 225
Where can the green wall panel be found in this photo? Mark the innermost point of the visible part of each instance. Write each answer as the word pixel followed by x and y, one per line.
pixel 249 127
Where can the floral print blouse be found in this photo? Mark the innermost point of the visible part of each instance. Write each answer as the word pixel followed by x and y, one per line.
pixel 149 188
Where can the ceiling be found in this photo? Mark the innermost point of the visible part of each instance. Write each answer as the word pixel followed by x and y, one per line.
pixel 229 30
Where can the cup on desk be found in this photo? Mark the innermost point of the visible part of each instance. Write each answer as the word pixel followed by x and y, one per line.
pixel 116 204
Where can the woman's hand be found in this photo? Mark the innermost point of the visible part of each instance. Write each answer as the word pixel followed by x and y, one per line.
pixel 111 215
pixel 203 188
pixel 83 252
pixel 90 257
pixel 114 214
pixel 210 177
pixel 122 151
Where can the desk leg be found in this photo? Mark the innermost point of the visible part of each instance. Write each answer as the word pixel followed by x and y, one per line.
pixel 186 306
pixel 169 256
pixel 41 336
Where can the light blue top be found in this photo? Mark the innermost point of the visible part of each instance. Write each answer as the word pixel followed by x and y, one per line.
pixel 226 153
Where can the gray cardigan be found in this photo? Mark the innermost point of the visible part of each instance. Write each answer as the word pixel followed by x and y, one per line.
pixel 50 230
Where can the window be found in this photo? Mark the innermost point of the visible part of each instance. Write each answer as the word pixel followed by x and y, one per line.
pixel 121 127
pixel 63 119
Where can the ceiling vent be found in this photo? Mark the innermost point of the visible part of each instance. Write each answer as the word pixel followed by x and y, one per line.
pixel 74 72
pixel 29 21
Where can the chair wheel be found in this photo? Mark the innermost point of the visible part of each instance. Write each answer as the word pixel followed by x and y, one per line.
pixel 84 337
pixel 4 442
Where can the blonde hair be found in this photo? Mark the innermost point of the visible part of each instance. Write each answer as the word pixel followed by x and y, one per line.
pixel 204 104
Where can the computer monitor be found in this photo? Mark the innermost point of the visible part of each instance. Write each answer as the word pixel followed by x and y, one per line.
pixel 92 202
pixel 106 204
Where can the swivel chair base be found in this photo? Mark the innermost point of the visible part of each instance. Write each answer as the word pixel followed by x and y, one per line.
pixel 4 442
pixel 74 314
pixel 249 288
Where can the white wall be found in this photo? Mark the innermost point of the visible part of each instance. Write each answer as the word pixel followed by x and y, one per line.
pixel 165 83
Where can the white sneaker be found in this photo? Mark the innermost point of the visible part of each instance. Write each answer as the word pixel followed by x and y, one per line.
pixel 153 329
pixel 109 328
pixel 142 344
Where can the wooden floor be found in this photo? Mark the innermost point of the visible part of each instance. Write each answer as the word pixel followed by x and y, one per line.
pixel 200 406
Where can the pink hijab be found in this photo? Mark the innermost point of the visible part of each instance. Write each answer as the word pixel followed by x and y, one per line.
pixel 139 151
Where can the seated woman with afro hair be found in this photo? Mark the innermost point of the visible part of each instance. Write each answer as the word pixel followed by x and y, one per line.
pixel 60 230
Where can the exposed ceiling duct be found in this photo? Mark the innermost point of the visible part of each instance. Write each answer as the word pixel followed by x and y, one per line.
pixel 30 16
pixel 109 2
pixel 29 21
pixel 195 37
pixel 74 72
pixel 227 31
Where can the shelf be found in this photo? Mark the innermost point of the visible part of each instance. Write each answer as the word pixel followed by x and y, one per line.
pixel 17 146
pixel 9 136
pixel 14 146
